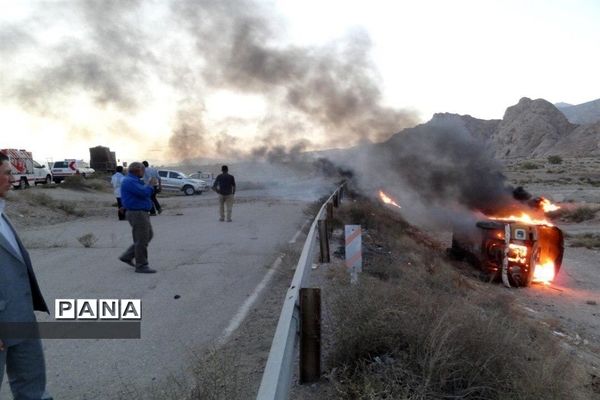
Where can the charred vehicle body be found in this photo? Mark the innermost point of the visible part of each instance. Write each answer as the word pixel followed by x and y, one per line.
pixel 515 252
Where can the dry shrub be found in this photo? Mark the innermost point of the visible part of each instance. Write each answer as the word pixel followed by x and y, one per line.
pixel 425 333
pixel 529 165
pixel 587 240
pixel 78 182
pixel 74 182
pixel 578 214
pixel 37 199
pixel 88 240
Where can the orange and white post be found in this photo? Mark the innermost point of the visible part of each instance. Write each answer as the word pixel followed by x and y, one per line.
pixel 353 235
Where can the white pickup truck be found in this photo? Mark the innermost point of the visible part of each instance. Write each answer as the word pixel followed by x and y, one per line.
pixel 62 169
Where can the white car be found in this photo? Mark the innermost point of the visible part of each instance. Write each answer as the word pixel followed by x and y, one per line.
pixel 42 174
pixel 178 181
pixel 62 169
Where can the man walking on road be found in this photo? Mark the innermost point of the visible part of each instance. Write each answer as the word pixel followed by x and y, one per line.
pixel 136 200
pixel 20 295
pixel 225 186
pixel 150 173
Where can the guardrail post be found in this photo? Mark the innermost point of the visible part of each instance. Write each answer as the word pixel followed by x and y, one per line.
pixel 336 199
pixel 324 242
pixel 310 335
pixel 330 217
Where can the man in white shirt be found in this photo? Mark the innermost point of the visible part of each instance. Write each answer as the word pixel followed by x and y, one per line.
pixel 116 184
pixel 23 359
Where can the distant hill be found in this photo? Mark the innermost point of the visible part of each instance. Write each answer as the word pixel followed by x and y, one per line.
pixel 585 113
pixel 530 128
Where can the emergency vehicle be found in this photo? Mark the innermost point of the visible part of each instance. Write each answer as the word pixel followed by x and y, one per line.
pixel 70 167
pixel 25 170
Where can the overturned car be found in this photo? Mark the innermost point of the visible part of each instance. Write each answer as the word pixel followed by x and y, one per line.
pixel 516 251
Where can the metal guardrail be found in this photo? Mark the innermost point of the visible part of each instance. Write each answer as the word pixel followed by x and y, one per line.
pixel 276 380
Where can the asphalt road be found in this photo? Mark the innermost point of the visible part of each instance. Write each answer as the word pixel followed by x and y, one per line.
pixel 212 266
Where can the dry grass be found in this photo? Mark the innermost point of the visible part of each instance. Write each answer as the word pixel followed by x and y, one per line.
pixel 578 214
pixel 38 199
pixel 587 240
pixel 426 332
pixel 78 182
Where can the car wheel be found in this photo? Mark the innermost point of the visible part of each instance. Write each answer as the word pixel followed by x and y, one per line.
pixel 57 180
pixel 48 180
pixel 188 190
pixel 199 192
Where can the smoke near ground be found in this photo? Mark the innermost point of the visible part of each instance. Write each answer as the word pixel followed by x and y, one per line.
pixel 117 54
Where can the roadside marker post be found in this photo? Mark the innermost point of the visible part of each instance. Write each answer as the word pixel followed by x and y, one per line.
pixel 353 235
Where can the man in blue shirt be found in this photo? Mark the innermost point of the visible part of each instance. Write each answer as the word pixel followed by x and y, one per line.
pixel 136 198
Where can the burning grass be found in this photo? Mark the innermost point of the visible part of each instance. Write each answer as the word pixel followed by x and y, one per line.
pixel 425 331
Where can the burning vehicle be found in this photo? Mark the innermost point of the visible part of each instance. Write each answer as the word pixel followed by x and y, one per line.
pixel 517 247
pixel 517 250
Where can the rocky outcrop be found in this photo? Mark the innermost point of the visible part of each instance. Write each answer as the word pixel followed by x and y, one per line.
pixel 583 141
pixel 531 128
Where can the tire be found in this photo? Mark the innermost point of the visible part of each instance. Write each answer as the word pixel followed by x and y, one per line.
pixel 188 190
pixel 48 180
pixel 199 192
pixel 57 180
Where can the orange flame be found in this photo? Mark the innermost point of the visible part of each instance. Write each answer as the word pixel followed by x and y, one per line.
pixel 525 218
pixel 387 199
pixel 517 253
pixel 547 206
pixel 544 273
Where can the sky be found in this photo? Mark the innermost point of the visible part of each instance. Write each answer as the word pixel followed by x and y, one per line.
pixel 172 80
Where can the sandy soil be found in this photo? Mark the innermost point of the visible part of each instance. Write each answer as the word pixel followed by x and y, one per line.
pixel 570 306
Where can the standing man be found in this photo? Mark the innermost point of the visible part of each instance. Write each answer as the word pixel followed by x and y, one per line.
pixel 149 174
pixel 224 185
pixel 116 180
pixel 20 295
pixel 135 196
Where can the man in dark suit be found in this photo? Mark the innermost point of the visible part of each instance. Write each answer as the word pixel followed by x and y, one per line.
pixel 23 359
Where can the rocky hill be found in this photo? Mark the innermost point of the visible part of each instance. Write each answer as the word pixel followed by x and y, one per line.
pixel 585 113
pixel 529 129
